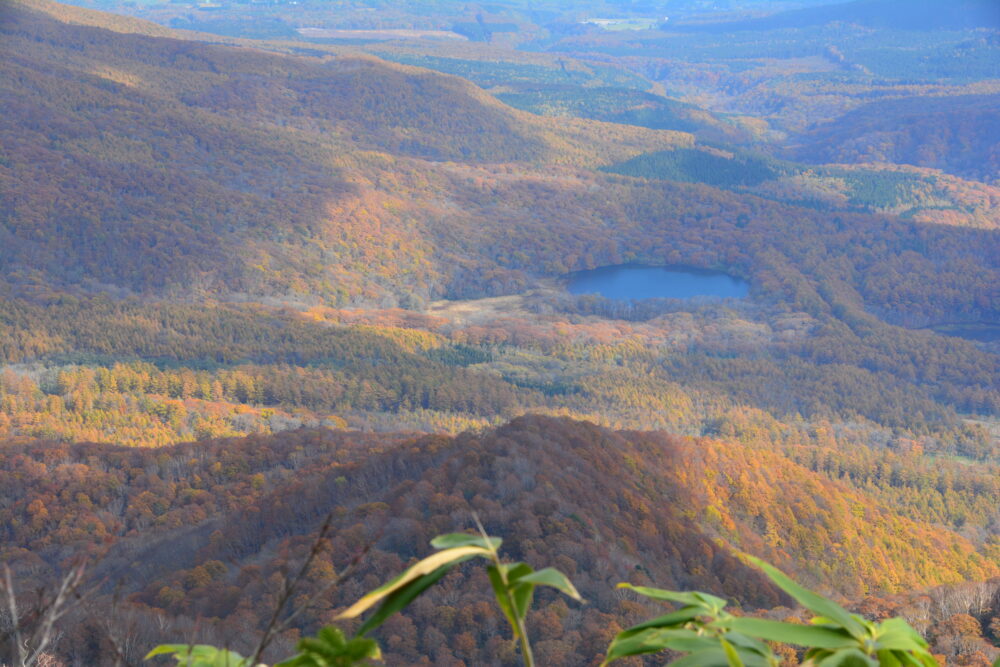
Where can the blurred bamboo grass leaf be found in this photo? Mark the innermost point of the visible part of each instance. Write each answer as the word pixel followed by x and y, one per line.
pixel 711 636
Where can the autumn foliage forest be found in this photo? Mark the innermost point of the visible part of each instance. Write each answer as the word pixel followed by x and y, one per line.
pixel 247 284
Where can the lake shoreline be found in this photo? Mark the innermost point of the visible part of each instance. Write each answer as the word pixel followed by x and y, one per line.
pixel 636 282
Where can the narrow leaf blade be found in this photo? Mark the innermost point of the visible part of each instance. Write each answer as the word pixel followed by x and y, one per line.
pixel 812 601
pixel 731 655
pixel 500 593
pixel 683 598
pixel 671 620
pixel 789 633
pixel 400 598
pixel 554 579
pixel 452 540
pixel 423 568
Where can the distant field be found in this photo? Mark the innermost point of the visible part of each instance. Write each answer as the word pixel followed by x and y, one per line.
pixel 324 33
pixel 624 24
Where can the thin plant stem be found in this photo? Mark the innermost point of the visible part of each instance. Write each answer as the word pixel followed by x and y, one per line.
pixel 519 628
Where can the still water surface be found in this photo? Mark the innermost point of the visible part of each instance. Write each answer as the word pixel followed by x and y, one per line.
pixel 630 281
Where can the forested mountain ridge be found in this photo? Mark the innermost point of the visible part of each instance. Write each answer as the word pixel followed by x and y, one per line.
pixel 183 149
pixel 959 134
pixel 206 526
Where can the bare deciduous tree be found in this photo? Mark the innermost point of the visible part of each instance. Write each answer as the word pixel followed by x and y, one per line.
pixel 30 633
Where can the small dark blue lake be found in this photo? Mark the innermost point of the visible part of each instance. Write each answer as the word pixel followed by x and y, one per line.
pixel 629 281
pixel 983 332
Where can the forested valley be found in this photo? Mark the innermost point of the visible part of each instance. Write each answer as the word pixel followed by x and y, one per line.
pixel 255 283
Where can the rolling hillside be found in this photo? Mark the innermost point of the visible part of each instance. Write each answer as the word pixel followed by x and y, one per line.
pixel 174 166
pixel 957 134
pixel 245 286
pixel 874 184
pixel 178 168
pixel 918 15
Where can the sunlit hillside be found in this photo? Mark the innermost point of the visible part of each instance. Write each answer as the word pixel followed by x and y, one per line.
pixel 274 313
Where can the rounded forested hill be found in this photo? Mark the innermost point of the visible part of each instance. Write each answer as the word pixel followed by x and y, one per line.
pixel 201 531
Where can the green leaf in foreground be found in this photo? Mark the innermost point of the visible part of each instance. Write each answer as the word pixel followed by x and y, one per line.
pixel 425 567
pixel 652 640
pixel 552 578
pixel 671 620
pixel 331 649
pixel 732 657
pixel 200 655
pixel 851 657
pixel 814 602
pixel 704 600
pixel 453 540
pixel 522 593
pixel 401 597
pixel 789 633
